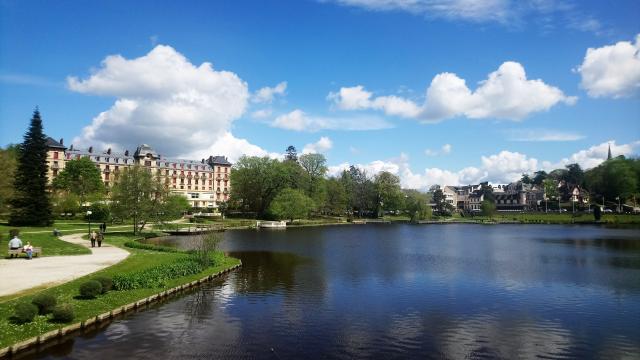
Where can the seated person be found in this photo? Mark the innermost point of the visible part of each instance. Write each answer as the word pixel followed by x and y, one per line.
pixel 28 249
pixel 15 243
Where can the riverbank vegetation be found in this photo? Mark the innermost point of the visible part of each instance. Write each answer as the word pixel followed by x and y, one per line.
pixel 139 261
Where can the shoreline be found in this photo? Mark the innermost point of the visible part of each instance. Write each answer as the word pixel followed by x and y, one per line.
pixel 47 339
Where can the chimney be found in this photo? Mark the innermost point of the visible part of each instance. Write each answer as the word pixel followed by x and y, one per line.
pixel 71 148
pixel 61 141
pixel 90 149
pixel 109 151
pixel 202 161
pixel 126 153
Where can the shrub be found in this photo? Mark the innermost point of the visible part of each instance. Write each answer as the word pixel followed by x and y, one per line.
pixel 139 245
pixel 45 303
pixel 63 313
pixel 157 276
pixel 90 289
pixel 106 282
pixel 24 313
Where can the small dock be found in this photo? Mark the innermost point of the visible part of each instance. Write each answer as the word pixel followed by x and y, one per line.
pixel 271 224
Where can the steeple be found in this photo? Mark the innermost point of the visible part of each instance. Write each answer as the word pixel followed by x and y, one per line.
pixel 609 153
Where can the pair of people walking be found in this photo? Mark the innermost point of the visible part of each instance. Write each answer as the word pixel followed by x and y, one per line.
pixel 96 237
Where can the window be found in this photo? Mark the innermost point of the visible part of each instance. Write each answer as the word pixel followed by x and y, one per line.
pixel 194 195
pixel 55 155
pixel 147 163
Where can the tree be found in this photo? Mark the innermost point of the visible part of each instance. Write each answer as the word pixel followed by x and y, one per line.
pixel 440 201
pixel 173 207
pixel 526 179
pixel 360 190
pixel 291 154
pixel 389 194
pixel 538 177
pixel 612 178
pixel 99 212
pixel 138 196
pixel 291 204
pixel 550 190
pixel 336 201
pixel 574 175
pixel 315 168
pixel 257 180
pixel 31 205
pixel 8 164
pixel 488 208
pixel 80 177
pixel 417 205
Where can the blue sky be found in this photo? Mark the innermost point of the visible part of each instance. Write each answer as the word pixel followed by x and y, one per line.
pixel 398 85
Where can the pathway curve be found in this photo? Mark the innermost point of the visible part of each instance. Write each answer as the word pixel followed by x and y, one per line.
pixel 17 275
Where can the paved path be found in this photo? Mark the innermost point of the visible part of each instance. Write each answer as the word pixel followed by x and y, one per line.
pixel 20 274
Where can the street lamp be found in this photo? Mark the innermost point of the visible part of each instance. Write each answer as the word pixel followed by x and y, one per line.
pixel 619 210
pixel 89 217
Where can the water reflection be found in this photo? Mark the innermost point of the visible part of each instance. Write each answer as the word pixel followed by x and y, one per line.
pixel 450 292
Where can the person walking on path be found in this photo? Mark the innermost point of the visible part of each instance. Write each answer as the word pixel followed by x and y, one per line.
pixel 104 227
pixel 93 238
pixel 100 238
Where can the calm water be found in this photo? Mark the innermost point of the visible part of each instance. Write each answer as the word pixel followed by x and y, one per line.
pixel 399 291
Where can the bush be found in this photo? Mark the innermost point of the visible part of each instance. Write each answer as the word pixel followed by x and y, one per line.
pixel 24 313
pixel 157 276
pixel 63 313
pixel 106 282
pixel 45 303
pixel 139 245
pixel 90 289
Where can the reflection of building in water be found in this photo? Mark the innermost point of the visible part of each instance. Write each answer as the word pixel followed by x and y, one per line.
pixel 205 183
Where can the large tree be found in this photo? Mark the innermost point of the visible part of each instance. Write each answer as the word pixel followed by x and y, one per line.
pixel 80 177
pixel 315 168
pixel 335 201
pixel 417 205
pixel 613 178
pixel 138 196
pixel 8 164
pixel 30 204
pixel 257 180
pixel 291 204
pixel 389 194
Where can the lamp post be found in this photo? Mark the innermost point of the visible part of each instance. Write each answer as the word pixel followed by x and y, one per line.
pixel 89 217
pixel 619 210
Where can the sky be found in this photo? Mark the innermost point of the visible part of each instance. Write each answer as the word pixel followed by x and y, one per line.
pixel 447 92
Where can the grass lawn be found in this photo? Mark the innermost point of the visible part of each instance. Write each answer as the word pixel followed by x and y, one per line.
pixel 51 245
pixel 563 218
pixel 139 259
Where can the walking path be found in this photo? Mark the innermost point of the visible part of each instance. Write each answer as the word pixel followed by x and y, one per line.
pixel 19 274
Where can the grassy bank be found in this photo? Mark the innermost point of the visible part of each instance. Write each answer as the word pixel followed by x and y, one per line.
pixel 51 245
pixel 139 260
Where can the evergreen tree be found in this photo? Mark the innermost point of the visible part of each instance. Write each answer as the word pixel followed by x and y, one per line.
pixel 30 204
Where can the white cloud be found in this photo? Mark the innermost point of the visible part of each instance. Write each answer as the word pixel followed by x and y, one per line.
pixel 612 70
pixel 444 150
pixel 321 146
pixel 231 147
pixel 540 135
pixel 596 154
pixel 267 94
pixel 261 114
pixel 163 100
pixel 505 94
pixel 504 167
pixel 298 120
pixel 469 10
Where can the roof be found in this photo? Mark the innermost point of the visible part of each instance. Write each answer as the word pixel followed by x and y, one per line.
pixel 54 144
pixel 219 160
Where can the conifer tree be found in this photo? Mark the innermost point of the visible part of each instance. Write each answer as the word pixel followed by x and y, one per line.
pixel 30 204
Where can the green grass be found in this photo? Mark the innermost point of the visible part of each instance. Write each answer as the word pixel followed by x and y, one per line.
pixel 51 245
pixel 555 218
pixel 139 259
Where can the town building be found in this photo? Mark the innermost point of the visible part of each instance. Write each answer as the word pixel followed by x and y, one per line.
pixel 205 183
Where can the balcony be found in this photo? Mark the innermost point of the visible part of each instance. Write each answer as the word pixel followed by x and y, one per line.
pixel 55 166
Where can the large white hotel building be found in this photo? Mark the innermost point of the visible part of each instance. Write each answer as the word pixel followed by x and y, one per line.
pixel 204 183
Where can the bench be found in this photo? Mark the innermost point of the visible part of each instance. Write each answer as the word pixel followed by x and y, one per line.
pixel 36 251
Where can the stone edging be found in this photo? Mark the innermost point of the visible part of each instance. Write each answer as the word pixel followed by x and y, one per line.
pixel 59 333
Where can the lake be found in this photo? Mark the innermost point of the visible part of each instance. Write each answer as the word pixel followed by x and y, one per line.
pixel 398 291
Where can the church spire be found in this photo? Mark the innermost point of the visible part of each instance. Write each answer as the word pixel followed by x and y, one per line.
pixel 609 153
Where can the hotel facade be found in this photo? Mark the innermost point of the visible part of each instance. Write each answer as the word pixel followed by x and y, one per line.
pixel 204 183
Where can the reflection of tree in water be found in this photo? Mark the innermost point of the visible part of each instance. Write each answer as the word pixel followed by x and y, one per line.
pixel 620 244
pixel 263 271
